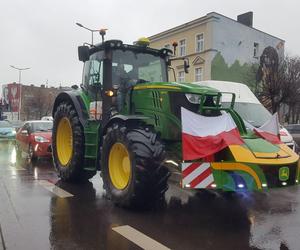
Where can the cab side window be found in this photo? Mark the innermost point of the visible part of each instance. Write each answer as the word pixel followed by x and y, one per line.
pixel 96 72
pixel 93 71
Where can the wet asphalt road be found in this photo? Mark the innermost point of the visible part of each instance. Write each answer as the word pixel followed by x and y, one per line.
pixel 32 217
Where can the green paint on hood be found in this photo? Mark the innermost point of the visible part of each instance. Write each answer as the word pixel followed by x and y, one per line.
pixel 261 146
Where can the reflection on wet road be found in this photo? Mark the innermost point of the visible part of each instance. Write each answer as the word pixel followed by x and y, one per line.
pixel 38 211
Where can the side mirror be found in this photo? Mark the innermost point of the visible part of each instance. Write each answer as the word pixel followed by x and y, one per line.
pixel 83 53
pixel 186 65
pixel 24 132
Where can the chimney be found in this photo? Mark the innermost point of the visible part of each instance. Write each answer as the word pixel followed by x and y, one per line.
pixel 246 18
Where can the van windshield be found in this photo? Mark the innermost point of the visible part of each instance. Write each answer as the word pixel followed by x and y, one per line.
pixel 254 113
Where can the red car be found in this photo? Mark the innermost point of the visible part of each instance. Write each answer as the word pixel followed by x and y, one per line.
pixel 34 138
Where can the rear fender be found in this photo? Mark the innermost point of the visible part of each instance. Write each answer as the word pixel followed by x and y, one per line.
pixel 74 99
pixel 125 119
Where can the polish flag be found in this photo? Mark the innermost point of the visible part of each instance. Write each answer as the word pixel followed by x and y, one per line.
pixel 204 136
pixel 270 130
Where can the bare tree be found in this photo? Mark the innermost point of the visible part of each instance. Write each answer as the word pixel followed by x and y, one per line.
pixel 274 89
pixel 292 75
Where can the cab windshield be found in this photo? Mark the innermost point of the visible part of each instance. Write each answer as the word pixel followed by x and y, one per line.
pixel 137 67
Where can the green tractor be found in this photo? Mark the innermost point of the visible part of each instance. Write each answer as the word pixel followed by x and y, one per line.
pixel 125 121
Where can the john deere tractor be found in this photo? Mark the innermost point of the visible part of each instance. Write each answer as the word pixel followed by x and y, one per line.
pixel 125 120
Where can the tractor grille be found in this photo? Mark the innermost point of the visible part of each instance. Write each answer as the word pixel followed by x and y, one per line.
pixel 272 175
pixel 178 100
pixel 156 99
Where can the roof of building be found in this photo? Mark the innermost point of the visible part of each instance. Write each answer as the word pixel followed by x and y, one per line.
pixel 208 17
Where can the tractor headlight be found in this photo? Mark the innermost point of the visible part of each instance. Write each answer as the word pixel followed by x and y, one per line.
pixel 193 98
pixel 38 138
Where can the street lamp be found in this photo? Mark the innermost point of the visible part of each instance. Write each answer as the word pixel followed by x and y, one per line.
pixel 20 88
pixel 92 31
pixel 20 70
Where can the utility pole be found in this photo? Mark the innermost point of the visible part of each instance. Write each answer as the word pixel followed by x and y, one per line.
pixel 20 71
pixel 101 31
pixel 20 88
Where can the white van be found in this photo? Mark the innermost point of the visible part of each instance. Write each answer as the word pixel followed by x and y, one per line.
pixel 247 105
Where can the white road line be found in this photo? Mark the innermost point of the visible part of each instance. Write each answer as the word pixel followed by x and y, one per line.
pixel 55 189
pixel 139 238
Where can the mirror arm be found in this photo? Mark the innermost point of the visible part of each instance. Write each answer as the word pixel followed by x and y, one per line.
pixel 171 68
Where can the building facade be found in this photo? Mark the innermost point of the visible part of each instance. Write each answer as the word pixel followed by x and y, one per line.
pixel 27 102
pixel 218 48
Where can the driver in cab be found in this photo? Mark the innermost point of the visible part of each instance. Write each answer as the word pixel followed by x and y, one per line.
pixel 124 82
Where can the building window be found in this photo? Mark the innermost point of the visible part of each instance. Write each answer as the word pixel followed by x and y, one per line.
pixel 200 43
pixel 182 47
pixel 198 74
pixel 181 76
pixel 255 50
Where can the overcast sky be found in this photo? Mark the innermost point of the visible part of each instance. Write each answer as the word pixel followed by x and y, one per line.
pixel 42 35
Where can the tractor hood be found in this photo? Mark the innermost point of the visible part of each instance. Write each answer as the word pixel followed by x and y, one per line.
pixel 260 151
pixel 179 87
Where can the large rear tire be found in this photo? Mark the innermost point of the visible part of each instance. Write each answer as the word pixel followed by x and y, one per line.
pixel 132 166
pixel 68 145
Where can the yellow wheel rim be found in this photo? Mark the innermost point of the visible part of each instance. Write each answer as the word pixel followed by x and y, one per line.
pixel 119 166
pixel 64 141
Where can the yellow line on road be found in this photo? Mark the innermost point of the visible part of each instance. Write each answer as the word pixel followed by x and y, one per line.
pixel 55 189
pixel 139 238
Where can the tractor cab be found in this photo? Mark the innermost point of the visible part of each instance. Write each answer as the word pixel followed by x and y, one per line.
pixel 112 68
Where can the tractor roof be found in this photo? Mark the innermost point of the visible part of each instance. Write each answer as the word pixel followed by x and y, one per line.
pixel 118 44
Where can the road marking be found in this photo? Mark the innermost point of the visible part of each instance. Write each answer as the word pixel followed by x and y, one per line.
pixel 55 189
pixel 139 238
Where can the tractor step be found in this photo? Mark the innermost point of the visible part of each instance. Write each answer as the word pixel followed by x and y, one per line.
pixel 91 145
pixel 90 164
pixel 90 156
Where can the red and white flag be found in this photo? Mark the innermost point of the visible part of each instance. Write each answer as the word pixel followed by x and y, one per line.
pixel 203 136
pixel 270 130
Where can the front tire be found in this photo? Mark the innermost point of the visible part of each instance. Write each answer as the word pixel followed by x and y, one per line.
pixel 68 145
pixel 132 166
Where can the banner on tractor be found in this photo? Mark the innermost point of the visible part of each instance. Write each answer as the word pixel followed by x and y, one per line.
pixel 204 136
pixel 269 130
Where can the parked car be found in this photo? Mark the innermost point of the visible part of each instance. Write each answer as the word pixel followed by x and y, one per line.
pixel 47 118
pixel 16 124
pixel 34 138
pixel 294 130
pixel 7 132
pixel 248 106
